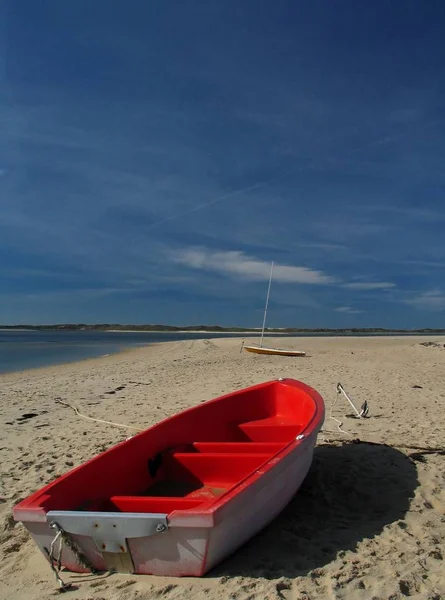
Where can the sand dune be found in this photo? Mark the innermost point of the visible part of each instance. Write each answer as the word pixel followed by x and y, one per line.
pixel 368 522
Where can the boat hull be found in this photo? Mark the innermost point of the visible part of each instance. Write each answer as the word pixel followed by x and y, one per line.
pixel 188 542
pixel 274 351
pixel 192 551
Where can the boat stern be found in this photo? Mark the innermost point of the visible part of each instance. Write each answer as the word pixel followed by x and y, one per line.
pixel 139 543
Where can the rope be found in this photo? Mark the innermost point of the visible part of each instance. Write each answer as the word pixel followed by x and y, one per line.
pixel 415 456
pixel 362 413
pixel 55 556
pixel 364 409
pixel 76 410
pixel 340 423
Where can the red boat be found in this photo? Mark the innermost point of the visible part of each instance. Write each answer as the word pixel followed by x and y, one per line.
pixel 182 495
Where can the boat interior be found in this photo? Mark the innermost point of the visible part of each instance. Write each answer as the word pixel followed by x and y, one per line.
pixel 189 460
pixel 197 474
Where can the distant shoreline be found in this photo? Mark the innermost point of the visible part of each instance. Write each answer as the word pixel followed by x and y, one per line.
pixel 116 328
pixel 177 331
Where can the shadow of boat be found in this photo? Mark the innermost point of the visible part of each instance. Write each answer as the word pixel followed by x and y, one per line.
pixel 351 493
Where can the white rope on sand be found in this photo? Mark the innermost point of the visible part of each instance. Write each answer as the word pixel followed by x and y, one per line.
pixel 78 413
pixel 340 423
pixel 359 414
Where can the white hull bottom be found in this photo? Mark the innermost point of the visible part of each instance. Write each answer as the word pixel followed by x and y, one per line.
pixel 188 547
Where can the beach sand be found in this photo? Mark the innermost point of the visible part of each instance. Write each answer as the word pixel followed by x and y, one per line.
pixel 368 522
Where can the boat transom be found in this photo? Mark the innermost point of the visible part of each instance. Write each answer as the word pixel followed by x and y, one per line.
pixel 109 531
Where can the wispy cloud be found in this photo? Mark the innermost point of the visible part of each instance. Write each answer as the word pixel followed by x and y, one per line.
pixel 433 300
pixel 54 295
pixel 349 310
pixel 410 212
pixel 424 263
pixel 335 228
pixel 370 285
pixel 238 264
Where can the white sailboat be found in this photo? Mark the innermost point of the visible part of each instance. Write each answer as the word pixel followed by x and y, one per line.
pixel 264 349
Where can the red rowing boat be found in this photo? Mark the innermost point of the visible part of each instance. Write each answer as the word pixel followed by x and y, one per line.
pixel 180 496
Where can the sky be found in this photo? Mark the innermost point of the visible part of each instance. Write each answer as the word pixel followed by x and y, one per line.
pixel 157 156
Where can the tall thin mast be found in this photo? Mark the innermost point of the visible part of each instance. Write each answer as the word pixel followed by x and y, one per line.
pixel 267 303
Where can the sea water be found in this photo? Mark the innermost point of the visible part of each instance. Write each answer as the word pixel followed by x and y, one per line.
pixel 30 349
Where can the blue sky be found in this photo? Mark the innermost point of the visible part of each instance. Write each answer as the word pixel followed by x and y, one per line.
pixel 155 157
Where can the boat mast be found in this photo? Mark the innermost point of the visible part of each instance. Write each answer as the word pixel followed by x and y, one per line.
pixel 267 303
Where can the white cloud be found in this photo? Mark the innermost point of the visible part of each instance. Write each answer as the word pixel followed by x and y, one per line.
pixel 348 310
pixel 370 285
pixel 236 263
pixel 432 300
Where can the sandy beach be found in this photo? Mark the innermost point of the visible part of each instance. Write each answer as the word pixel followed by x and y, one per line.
pixel 368 522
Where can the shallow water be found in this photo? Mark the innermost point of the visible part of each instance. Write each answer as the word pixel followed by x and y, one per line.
pixel 29 349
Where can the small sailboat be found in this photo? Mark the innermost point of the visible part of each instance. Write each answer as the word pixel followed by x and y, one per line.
pixel 264 349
